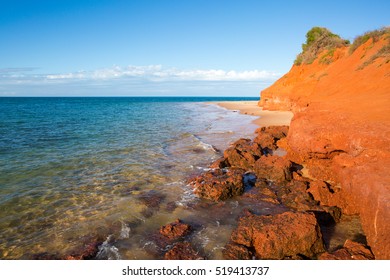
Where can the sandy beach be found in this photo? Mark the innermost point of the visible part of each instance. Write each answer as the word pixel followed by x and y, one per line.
pixel 266 118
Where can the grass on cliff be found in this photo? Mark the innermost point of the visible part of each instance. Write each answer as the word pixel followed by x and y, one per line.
pixel 375 35
pixel 319 39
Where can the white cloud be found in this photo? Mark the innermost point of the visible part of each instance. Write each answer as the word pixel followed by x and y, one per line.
pixel 159 73
pixel 136 80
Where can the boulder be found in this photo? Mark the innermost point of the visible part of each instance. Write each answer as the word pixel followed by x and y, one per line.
pixel 219 184
pixel 267 137
pixel 281 236
pixel 273 168
pixel 243 154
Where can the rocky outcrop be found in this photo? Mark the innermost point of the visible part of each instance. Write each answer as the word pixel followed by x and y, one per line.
pixel 341 129
pixel 282 236
pixel 226 178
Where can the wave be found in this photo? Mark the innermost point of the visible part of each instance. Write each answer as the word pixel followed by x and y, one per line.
pixel 188 143
pixel 108 251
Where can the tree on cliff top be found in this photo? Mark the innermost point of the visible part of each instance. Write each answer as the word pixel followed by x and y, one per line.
pixel 318 39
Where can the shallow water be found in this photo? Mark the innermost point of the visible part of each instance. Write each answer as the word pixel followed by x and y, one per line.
pixel 71 168
pixel 75 170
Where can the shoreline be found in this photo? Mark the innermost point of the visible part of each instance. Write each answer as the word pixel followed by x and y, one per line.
pixel 266 118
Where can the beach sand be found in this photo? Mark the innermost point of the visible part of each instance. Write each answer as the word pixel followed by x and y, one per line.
pixel 266 118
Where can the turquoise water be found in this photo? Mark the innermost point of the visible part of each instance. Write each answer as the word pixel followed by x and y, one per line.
pixel 72 168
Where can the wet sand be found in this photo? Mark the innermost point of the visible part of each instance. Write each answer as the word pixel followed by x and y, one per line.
pixel 266 118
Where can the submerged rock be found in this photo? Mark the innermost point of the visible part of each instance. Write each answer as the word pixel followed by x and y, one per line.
pixel 151 198
pixel 183 251
pixel 87 249
pixel 175 230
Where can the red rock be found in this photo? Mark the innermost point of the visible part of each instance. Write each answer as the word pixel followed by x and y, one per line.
pixel 267 137
pixel 220 163
pixel 175 230
pixel 243 154
pixel 295 196
pixel 280 236
pixel 219 184
pixel 276 131
pixel 234 251
pixel 326 194
pixel 261 192
pixel 182 251
pixel 265 141
pixel 350 251
pixel 341 131
pixel 273 168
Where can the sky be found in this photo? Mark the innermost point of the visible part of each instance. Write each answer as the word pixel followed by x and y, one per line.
pixel 164 47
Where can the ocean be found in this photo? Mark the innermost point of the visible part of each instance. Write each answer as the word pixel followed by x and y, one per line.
pixel 112 169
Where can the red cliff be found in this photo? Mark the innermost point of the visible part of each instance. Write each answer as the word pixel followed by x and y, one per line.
pixel 340 131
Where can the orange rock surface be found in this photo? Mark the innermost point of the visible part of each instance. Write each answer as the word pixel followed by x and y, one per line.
pixel 340 131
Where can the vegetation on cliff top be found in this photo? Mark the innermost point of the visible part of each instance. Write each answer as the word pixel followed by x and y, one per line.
pixel 319 39
pixel 375 35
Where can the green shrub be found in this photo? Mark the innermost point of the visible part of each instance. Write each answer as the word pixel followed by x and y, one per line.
pixel 319 39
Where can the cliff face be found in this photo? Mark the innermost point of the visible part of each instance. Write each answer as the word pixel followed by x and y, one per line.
pixel 340 132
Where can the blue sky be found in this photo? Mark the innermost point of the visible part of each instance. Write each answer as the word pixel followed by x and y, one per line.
pixel 171 47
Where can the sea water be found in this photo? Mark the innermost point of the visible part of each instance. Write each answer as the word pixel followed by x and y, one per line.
pixel 75 168
pixel 79 171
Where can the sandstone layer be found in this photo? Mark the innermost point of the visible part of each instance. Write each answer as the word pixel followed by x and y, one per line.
pixel 340 131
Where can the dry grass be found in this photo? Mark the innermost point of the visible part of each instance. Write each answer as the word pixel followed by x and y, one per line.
pixel 383 52
pixel 375 35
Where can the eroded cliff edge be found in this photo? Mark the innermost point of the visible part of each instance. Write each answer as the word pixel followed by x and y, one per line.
pixel 340 132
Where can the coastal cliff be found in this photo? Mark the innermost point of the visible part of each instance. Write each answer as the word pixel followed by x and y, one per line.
pixel 340 132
